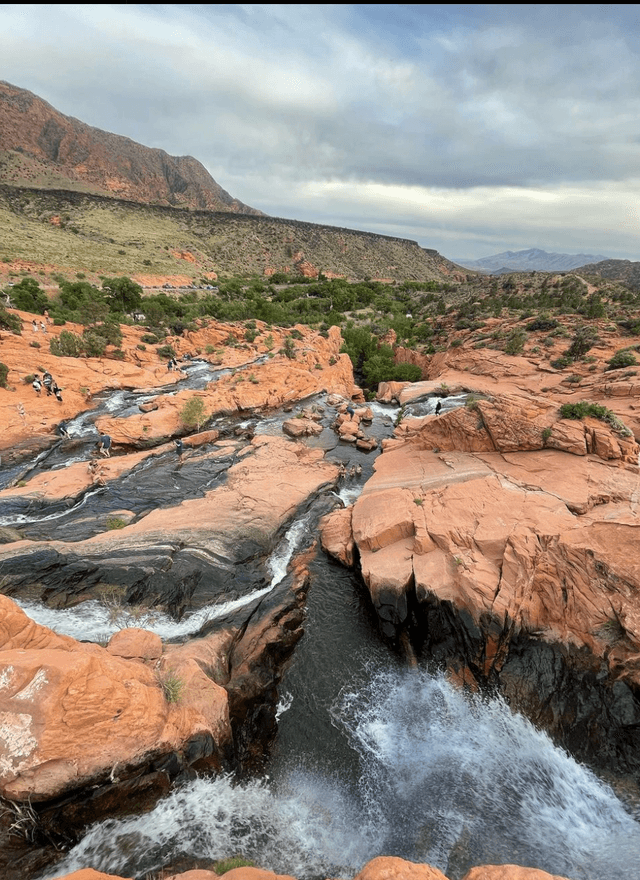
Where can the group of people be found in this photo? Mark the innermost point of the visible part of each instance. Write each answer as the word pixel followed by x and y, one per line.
pixel 34 325
pixel 352 472
pixel 48 383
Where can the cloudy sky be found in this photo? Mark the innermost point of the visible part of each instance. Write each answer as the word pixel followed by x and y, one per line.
pixel 472 129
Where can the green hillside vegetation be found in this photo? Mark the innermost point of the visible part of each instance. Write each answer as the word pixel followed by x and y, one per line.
pixel 560 316
pixel 110 236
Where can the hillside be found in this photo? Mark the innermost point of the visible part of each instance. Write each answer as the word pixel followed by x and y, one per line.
pixel 625 271
pixel 42 148
pixel 532 259
pixel 48 232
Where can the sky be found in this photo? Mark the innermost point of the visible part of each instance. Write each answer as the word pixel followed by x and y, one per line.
pixel 471 129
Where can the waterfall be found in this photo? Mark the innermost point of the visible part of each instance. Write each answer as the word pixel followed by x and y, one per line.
pixel 444 778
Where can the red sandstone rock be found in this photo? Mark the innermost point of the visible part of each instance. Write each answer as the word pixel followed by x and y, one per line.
pixel 508 872
pixel 391 868
pixel 72 712
pixel 135 644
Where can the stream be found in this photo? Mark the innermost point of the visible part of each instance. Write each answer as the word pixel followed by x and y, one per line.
pixel 371 757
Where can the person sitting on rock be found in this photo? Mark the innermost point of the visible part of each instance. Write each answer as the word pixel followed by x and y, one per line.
pixel 438 407
pixel 104 445
pixel 351 411
pixel 37 385
pixel 62 430
pixel 179 447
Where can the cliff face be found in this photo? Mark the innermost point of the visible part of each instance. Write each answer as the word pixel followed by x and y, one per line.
pixel 42 148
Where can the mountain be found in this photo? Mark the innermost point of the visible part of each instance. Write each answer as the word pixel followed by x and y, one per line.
pixel 43 149
pixel 529 260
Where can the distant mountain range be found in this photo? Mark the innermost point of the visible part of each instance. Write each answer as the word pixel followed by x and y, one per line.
pixel 43 149
pixel 529 260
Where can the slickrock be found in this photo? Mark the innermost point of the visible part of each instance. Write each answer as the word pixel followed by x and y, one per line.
pixel 390 868
pixel 381 868
pixel 74 713
pixel 511 555
pixel 508 872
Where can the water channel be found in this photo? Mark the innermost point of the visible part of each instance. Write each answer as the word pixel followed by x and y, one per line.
pixel 372 757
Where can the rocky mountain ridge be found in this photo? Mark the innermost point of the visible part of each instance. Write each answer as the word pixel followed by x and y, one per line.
pixel 532 259
pixel 42 148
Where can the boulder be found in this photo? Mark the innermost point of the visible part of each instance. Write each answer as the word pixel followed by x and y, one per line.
pixel 392 868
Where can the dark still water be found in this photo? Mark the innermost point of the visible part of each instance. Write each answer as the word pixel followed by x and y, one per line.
pixel 376 758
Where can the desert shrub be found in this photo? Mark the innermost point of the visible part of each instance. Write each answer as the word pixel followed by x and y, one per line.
pixel 10 322
pixel 4 372
pixel 165 351
pixel 66 345
pixel 149 338
pixel 93 344
pixel 114 522
pixel 192 413
pixel 542 322
pixel 515 341
pixel 584 337
pixel 250 335
pixel 29 296
pixel 172 685
pixel 585 409
pixel 225 865
pixel 622 358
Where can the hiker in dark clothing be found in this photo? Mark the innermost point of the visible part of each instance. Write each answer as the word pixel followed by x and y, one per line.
pixel 170 365
pixel 62 430
pixel 104 445
pixel 58 393
pixel 37 385
pixel 438 407
pixel 47 381
pixel 179 447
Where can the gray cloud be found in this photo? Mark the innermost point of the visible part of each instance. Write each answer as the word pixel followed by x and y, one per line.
pixel 331 113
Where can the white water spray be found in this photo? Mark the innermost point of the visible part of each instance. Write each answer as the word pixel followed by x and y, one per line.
pixel 444 779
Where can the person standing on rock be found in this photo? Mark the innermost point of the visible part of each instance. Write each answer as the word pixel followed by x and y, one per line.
pixel 47 381
pixel 438 407
pixel 62 430
pixel 104 445
pixel 43 326
pixel 37 384
pixel 179 448
pixel 35 326
pixel 58 393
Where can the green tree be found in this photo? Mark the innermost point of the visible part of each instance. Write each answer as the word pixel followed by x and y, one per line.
pixel 192 413
pixel 122 294
pixel 29 296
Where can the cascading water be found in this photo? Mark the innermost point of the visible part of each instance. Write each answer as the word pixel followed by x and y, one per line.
pixel 97 621
pixel 370 759
pixel 443 778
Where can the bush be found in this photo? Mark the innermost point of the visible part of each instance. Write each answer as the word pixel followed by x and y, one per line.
pixel 622 358
pixel 66 345
pixel 165 351
pixel 585 409
pixel 10 322
pixel 515 341
pixel 4 372
pixel 192 413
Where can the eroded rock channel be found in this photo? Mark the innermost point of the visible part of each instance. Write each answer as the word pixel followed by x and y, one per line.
pixel 150 611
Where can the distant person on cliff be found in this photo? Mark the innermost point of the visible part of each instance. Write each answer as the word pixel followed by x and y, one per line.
pixel 37 384
pixel 104 445
pixel 438 407
pixel 43 326
pixel 57 391
pixel 170 365
pixel 179 448
pixel 47 381
pixel 35 326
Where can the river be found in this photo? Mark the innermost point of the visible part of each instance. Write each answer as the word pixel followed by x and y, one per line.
pixel 372 756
